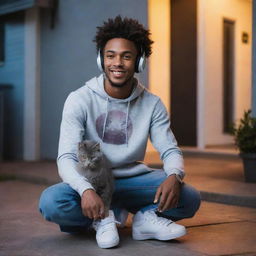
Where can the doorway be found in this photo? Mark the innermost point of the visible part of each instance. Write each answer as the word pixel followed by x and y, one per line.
pixel 228 74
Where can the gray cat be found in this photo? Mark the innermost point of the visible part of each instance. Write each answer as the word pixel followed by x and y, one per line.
pixel 96 170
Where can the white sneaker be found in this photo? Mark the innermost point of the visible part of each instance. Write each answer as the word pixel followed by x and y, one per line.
pixel 106 231
pixel 148 225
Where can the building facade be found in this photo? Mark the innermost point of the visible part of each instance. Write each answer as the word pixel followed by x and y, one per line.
pixel 48 51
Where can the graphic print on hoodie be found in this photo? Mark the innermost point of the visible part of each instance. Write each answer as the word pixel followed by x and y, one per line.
pixel 114 127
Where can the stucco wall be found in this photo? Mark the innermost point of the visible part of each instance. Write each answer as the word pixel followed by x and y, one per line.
pixel 68 56
pixel 214 13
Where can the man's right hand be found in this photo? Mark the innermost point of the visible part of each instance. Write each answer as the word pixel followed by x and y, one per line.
pixel 92 205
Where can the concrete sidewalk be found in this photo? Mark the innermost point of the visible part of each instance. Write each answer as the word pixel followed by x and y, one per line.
pixel 217 229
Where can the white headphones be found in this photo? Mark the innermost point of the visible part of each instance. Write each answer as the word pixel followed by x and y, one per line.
pixel 100 62
pixel 140 62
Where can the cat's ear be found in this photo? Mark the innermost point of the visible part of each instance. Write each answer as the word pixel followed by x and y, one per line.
pixel 97 146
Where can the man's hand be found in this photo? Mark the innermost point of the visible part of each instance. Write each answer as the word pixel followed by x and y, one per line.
pixel 168 193
pixel 92 205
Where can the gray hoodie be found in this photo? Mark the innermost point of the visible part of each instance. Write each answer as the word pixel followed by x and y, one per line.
pixel 122 126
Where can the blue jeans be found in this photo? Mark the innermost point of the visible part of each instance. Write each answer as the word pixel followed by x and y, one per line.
pixel 62 205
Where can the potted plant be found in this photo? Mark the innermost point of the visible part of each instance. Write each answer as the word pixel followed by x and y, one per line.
pixel 245 140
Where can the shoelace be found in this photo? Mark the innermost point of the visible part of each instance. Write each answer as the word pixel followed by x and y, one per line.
pixel 152 217
pixel 104 224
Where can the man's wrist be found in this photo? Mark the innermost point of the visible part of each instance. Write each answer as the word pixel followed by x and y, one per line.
pixel 88 190
pixel 177 177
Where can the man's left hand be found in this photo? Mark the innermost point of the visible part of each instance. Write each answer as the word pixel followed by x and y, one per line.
pixel 168 194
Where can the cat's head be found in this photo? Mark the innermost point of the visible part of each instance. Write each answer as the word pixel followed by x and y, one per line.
pixel 89 154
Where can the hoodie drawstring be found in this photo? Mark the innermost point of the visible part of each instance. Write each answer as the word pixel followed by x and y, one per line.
pixel 126 122
pixel 105 121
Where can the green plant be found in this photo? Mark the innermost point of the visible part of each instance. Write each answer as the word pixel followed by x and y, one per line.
pixel 245 133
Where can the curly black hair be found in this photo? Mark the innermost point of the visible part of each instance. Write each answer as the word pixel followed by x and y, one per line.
pixel 126 28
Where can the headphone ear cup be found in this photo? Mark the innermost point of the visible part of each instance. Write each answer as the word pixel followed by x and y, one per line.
pixel 140 64
pixel 100 62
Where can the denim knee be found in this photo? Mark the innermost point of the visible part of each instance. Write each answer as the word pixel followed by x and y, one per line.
pixel 56 202
pixel 188 205
pixel 195 202
pixel 62 205
pixel 47 205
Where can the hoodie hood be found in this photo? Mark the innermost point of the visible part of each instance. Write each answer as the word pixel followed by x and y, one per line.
pixel 96 84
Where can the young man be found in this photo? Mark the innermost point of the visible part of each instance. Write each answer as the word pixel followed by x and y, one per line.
pixel 115 110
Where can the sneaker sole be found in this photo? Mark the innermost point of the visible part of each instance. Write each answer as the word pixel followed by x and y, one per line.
pixel 163 237
pixel 108 245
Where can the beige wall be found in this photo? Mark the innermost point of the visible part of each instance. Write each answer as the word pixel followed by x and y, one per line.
pixel 214 11
pixel 210 18
pixel 159 61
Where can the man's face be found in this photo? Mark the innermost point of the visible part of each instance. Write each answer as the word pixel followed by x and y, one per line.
pixel 119 61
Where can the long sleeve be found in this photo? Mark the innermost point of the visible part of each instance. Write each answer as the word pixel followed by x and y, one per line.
pixel 164 141
pixel 71 133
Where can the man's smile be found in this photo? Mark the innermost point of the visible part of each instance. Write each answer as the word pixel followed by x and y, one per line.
pixel 118 73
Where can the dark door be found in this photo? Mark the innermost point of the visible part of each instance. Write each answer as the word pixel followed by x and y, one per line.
pixel 228 74
pixel 184 71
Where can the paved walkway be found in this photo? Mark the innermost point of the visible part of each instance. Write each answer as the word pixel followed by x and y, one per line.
pixel 217 229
